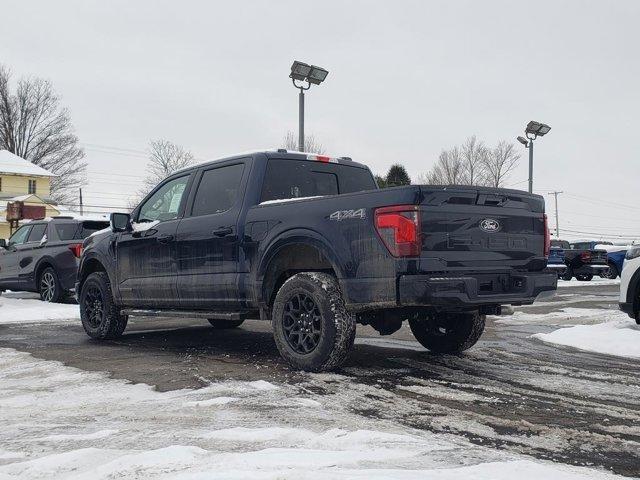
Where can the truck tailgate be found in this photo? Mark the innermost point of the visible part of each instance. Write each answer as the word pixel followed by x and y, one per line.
pixel 477 228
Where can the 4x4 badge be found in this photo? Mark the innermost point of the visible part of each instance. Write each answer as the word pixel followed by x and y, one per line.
pixel 490 225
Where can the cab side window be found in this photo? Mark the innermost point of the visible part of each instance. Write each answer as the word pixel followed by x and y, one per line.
pixel 20 235
pixel 218 190
pixel 37 232
pixel 165 203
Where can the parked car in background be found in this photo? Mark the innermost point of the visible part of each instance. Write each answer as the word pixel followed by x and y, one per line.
pixel 555 261
pixel 615 258
pixel 310 243
pixel 630 284
pixel 582 260
pixel 42 256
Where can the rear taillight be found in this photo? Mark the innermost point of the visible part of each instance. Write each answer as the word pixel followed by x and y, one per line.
pixel 585 256
pixel 399 229
pixel 547 237
pixel 76 249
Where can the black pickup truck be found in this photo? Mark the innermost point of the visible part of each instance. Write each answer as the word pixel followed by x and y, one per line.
pixel 582 260
pixel 310 243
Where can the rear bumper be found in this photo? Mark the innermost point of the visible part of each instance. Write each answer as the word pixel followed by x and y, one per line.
pixel 474 290
pixel 587 269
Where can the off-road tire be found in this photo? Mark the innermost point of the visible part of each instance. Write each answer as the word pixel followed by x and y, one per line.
pixel 110 323
pixel 447 332
pixel 585 278
pixel 49 286
pixel 218 324
pixel 337 325
pixel 568 275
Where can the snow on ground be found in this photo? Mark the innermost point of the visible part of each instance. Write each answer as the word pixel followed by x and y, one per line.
pixel 618 335
pixel 561 316
pixel 61 422
pixel 594 281
pixel 21 307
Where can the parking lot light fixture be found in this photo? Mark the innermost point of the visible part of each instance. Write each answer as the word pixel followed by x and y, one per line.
pixel 307 75
pixel 532 131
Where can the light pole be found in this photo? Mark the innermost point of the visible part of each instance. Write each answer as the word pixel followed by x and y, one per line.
pixel 533 131
pixel 308 75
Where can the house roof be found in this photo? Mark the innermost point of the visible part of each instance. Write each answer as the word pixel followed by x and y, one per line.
pixel 13 164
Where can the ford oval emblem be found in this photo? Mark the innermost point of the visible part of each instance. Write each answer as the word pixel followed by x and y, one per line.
pixel 490 225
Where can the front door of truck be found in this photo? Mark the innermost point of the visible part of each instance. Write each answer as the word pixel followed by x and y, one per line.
pixel 146 263
pixel 208 239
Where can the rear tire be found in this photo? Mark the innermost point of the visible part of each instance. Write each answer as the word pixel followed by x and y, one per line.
pixel 311 326
pixel 611 273
pixel 585 278
pixel 447 332
pixel 101 318
pixel 218 324
pixel 49 286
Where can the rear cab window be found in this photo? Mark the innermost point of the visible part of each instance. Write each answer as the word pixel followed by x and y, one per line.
pixel 289 178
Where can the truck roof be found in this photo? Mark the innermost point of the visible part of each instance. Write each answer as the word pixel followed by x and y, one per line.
pixel 280 153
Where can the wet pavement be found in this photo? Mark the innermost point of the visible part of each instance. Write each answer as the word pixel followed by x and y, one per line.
pixel 510 391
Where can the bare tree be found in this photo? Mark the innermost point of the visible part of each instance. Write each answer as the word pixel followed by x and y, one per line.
pixel 499 162
pixel 473 155
pixel 311 144
pixel 165 158
pixel 447 170
pixel 35 127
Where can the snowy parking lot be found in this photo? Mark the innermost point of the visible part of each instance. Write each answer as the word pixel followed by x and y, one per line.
pixel 552 391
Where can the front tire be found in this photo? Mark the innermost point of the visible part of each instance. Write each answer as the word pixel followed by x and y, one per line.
pixel 311 326
pixel 447 332
pixel 101 318
pixel 49 286
pixel 218 324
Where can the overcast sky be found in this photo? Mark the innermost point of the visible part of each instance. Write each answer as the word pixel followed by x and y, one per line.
pixel 407 79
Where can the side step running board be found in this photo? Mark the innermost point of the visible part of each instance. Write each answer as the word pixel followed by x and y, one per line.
pixel 185 314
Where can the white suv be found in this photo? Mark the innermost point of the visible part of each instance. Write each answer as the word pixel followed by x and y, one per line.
pixel 630 284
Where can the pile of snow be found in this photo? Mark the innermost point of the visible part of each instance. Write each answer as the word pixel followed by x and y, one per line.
pixel 28 308
pixel 620 336
pixel 574 282
pixel 94 427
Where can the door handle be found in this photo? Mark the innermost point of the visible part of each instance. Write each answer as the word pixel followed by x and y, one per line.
pixel 222 231
pixel 165 238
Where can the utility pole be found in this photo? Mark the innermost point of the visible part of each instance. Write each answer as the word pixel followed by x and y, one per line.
pixel 81 210
pixel 555 194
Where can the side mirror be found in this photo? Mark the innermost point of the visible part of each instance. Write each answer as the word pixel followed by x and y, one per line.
pixel 120 222
pixel 3 243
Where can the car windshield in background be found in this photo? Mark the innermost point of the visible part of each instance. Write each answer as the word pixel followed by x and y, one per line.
pixel 78 231
pixel 294 179
pixel 560 244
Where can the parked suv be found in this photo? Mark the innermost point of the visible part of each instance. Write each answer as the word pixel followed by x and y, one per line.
pixel 310 243
pixel 42 256
pixel 630 284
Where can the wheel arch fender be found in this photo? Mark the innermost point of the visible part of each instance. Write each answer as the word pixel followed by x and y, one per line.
pixel 292 238
pixel 42 263
pixel 93 262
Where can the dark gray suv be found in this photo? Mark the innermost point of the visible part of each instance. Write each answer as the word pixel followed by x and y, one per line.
pixel 42 256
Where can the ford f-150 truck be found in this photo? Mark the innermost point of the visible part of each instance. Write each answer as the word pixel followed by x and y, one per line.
pixel 310 243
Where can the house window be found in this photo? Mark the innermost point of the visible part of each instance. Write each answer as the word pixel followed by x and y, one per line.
pixel 32 186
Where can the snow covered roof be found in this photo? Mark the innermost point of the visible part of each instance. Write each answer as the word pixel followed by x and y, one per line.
pixel 13 164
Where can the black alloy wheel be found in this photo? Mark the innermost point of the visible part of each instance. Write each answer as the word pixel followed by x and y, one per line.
pixel 94 306
pixel 302 323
